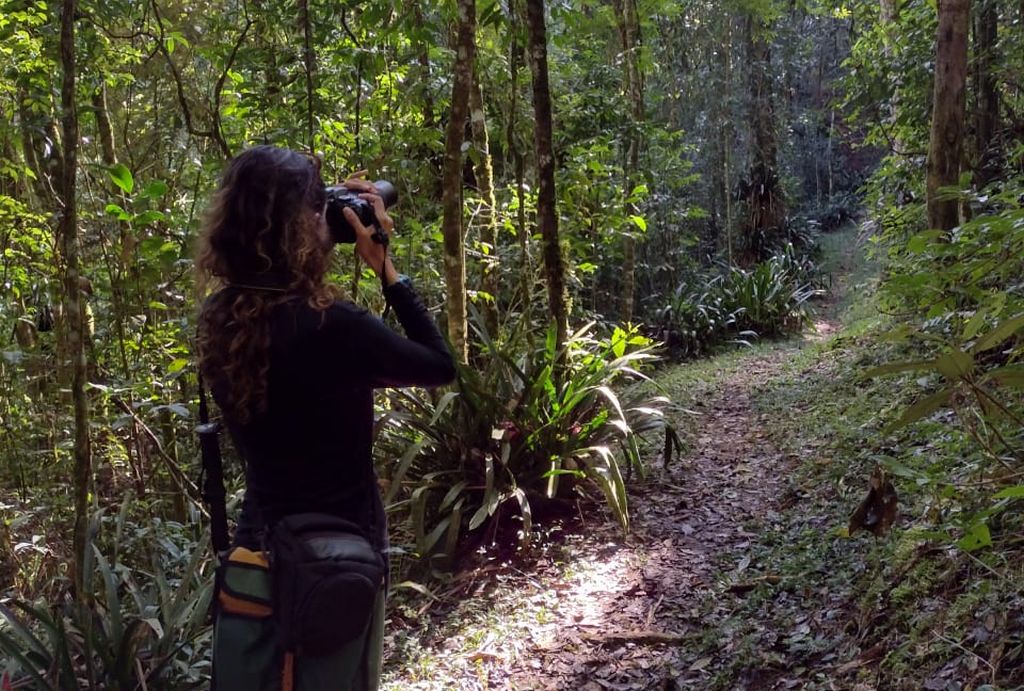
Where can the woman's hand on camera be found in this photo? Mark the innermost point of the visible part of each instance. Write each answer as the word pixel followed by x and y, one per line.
pixel 357 183
pixel 370 251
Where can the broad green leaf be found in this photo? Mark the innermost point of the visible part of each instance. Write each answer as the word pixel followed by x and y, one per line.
pixel 974 325
pixel 977 536
pixel 115 210
pixel 1010 375
pixel 122 177
pixel 148 217
pixel 925 406
pixel 639 222
pixel 999 334
pixel 1016 492
pixel 155 189
pixel 896 367
pixel 955 365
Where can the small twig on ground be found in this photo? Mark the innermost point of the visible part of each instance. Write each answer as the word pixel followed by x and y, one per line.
pixel 966 650
pixel 650 613
pixel 747 586
pixel 649 637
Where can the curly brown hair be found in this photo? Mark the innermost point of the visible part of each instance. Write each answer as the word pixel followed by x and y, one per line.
pixel 262 243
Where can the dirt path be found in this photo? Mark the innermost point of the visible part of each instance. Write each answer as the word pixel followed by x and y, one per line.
pixel 611 613
pixel 693 524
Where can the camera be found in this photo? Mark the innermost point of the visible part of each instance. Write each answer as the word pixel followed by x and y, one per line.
pixel 339 197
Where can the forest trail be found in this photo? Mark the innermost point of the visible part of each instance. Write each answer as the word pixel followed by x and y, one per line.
pixel 632 627
pixel 652 610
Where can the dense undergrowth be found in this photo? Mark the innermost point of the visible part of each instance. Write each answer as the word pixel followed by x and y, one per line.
pixel 936 602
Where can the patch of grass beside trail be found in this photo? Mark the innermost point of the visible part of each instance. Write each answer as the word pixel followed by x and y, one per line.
pixel 909 610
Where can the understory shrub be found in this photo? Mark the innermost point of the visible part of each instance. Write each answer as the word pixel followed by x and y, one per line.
pixel 128 634
pixel 767 301
pixel 522 427
pixel 960 296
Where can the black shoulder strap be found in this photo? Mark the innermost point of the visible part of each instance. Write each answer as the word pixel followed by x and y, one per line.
pixel 213 471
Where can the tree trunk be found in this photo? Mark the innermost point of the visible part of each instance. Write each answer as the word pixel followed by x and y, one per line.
pixel 764 194
pixel 547 218
pixel 890 13
pixel 727 136
pixel 949 101
pixel 451 197
pixel 629 34
pixel 309 67
pixel 72 295
pixel 423 58
pixel 484 172
pixel 103 127
pixel 988 95
pixel 523 235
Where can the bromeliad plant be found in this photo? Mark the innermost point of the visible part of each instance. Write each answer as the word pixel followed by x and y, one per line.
pixel 519 430
pixel 767 300
pixel 123 637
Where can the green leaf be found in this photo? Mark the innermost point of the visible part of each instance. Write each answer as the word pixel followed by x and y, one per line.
pixel 122 177
pixel 148 218
pixel 925 406
pixel 1010 375
pixel 639 222
pixel 977 536
pixel 999 334
pixel 115 210
pixel 177 365
pixel 974 325
pixel 896 367
pixel 619 342
pixel 1016 492
pixel 155 189
pixel 955 365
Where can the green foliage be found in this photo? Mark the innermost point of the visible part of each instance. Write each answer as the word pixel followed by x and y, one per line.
pixel 964 319
pixel 518 431
pixel 126 635
pixel 766 301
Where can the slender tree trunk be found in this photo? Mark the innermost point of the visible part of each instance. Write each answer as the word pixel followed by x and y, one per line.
pixel 727 135
pixel 890 13
pixel 988 94
pixel 764 195
pixel 72 294
pixel 423 58
pixel 547 218
pixel 309 65
pixel 484 172
pixel 103 127
pixel 523 235
pixel 451 197
pixel 949 102
pixel 629 34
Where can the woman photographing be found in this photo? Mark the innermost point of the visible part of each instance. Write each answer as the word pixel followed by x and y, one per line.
pixel 292 368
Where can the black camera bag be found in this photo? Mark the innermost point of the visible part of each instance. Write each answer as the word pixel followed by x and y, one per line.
pixel 326 576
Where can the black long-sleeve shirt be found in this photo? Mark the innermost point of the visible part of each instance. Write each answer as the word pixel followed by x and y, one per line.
pixel 311 449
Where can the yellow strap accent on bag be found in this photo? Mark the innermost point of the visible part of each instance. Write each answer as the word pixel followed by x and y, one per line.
pixel 241 555
pixel 234 605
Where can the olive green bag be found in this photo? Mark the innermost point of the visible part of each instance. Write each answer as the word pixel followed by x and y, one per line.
pixel 246 654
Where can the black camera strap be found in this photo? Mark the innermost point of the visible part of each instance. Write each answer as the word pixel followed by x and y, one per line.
pixel 214 494
pixel 384 281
